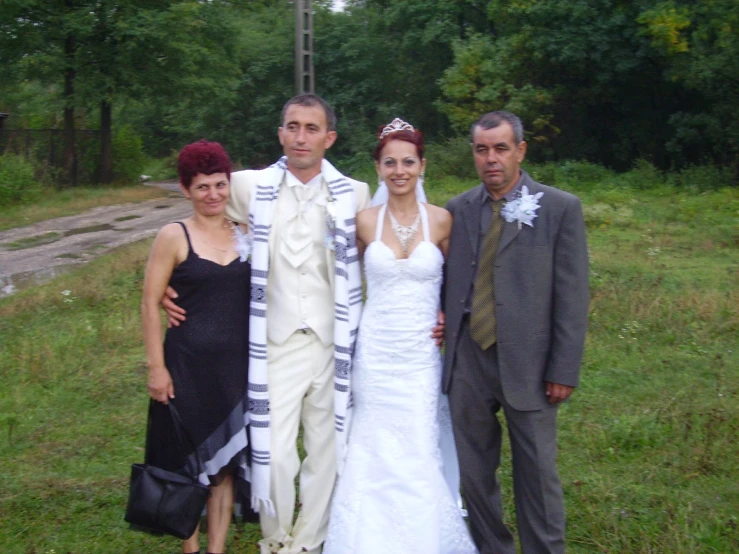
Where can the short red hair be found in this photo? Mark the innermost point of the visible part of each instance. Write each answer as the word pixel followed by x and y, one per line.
pixel 202 157
pixel 415 137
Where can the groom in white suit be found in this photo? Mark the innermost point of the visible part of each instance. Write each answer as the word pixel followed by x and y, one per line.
pixel 300 326
pixel 300 323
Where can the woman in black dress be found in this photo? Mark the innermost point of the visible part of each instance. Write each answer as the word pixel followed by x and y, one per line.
pixel 202 366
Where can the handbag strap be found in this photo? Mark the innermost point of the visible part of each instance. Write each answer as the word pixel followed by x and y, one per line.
pixel 181 433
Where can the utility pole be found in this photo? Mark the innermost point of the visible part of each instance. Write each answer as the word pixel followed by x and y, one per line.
pixel 304 76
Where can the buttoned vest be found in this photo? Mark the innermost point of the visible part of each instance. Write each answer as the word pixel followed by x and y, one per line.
pixel 302 296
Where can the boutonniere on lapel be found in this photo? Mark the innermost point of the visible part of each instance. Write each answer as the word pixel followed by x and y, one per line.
pixel 331 207
pixel 522 209
pixel 242 242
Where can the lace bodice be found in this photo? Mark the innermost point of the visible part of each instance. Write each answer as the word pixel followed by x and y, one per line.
pixel 403 298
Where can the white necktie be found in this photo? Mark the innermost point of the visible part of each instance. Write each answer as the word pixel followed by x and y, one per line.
pixel 297 243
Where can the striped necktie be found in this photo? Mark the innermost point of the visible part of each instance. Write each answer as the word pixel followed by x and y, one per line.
pixel 482 318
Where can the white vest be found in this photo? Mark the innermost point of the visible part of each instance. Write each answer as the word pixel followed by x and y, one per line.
pixel 298 296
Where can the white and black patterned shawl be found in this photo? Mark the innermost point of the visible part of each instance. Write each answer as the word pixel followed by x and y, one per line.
pixel 347 310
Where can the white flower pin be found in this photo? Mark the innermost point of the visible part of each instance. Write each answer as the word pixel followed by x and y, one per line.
pixel 243 242
pixel 522 209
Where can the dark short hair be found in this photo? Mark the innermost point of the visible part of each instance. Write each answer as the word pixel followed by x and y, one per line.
pixel 492 119
pixel 310 100
pixel 202 157
pixel 415 137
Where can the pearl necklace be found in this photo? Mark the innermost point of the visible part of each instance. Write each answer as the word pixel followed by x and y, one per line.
pixel 404 233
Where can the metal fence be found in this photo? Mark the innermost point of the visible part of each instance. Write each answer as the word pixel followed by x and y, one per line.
pixel 45 148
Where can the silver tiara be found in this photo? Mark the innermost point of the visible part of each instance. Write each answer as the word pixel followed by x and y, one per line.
pixel 394 126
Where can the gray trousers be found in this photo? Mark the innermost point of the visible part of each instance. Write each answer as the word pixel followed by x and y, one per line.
pixel 475 398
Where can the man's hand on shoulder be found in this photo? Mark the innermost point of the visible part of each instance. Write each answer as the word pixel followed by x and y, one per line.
pixel 175 314
pixel 437 333
pixel 558 393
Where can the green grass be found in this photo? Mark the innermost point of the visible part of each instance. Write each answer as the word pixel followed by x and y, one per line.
pixel 33 241
pixel 53 203
pixel 649 456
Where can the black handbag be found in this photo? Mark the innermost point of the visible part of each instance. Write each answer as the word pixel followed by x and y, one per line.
pixel 165 502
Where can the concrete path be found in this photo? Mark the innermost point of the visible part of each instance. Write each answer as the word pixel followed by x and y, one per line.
pixel 37 253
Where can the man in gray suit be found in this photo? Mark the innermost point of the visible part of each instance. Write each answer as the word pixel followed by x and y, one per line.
pixel 516 301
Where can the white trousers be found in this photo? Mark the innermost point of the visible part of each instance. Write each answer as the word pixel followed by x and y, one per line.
pixel 301 390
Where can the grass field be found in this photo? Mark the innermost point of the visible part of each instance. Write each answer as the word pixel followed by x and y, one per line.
pixel 53 203
pixel 649 455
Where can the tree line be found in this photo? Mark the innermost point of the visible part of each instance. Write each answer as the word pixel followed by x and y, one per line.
pixel 605 81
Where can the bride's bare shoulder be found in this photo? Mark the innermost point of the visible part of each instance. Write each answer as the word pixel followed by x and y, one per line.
pixel 439 215
pixel 368 216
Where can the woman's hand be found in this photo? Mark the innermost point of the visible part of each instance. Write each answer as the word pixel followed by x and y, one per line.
pixel 160 385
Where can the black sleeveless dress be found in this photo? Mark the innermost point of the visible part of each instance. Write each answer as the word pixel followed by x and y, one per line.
pixel 207 356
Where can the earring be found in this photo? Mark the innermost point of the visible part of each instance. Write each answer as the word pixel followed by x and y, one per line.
pixel 379 181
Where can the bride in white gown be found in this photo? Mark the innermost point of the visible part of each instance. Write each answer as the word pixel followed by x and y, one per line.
pixel 397 492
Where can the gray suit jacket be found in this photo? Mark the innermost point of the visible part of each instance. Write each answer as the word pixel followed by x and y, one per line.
pixel 541 293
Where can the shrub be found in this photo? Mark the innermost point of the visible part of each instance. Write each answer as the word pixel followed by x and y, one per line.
pixel 644 176
pixel 571 175
pixel 705 177
pixel 162 169
pixel 582 174
pixel 359 165
pixel 451 158
pixel 543 173
pixel 128 155
pixel 17 181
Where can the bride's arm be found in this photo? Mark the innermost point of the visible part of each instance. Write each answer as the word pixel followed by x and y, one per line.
pixel 361 247
pixel 366 220
pixel 440 222
pixel 440 227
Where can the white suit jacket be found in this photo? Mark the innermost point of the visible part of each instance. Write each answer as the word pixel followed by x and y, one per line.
pixel 282 322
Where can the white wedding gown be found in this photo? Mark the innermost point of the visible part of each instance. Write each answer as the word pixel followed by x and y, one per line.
pixel 392 495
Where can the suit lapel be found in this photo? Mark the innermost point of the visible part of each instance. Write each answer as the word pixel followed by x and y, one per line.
pixel 511 230
pixel 331 264
pixel 275 217
pixel 472 220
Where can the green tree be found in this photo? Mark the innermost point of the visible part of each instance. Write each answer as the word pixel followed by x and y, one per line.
pixel 706 129
pixel 111 50
pixel 247 124
pixel 601 80
pixel 383 59
pixel 40 39
pixel 480 80
pixel 239 108
pixel 155 50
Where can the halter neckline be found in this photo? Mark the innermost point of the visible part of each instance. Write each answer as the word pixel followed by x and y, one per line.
pixel 424 226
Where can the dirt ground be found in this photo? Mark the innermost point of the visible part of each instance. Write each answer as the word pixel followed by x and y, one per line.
pixel 37 253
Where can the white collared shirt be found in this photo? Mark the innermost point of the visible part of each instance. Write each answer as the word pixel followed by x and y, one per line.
pixel 292 181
